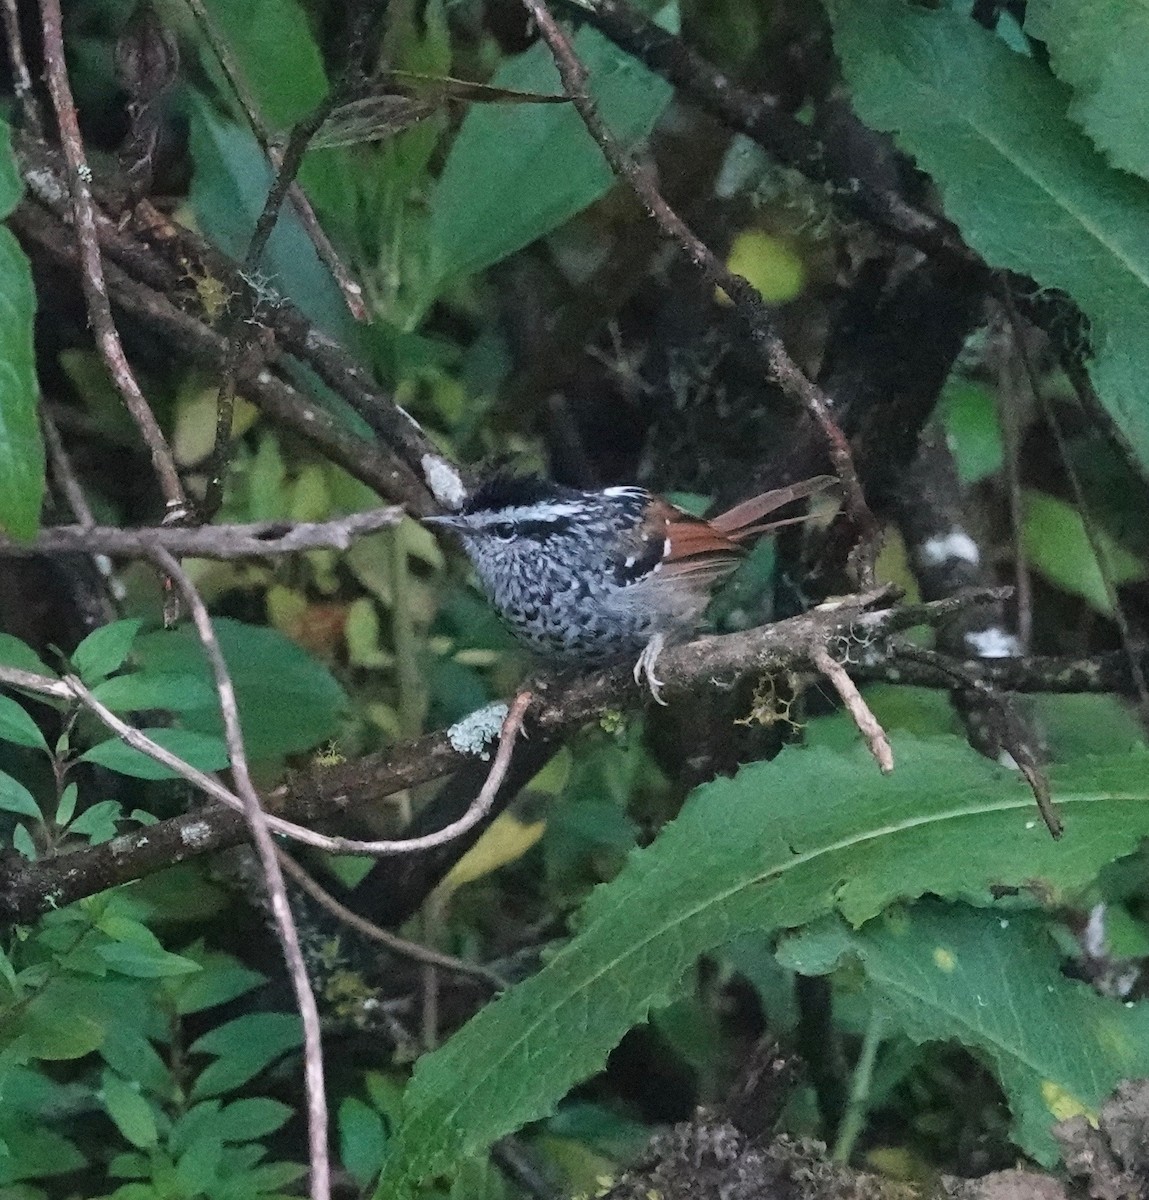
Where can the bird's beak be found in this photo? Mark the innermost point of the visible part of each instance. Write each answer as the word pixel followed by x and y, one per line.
pixel 447 521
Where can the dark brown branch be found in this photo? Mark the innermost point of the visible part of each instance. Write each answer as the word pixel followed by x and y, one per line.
pixel 849 625
pixel 207 541
pixel 762 119
pixel 368 461
pixel 157 252
pixel 748 304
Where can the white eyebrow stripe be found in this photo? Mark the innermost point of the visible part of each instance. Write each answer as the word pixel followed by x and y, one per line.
pixel 551 510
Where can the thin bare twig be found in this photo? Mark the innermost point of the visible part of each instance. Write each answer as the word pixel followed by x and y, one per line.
pixel 393 942
pixel 366 17
pixel 92 273
pixel 71 688
pixel 320 1178
pixel 1015 737
pixel 73 494
pixel 351 290
pixel 868 725
pixel 21 77
pixel 747 302
pixel 1089 523
pixel 207 541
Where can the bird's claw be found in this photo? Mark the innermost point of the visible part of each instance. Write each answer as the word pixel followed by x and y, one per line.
pixel 644 667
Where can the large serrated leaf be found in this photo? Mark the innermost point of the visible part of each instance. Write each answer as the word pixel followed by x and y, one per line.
pixel 1026 187
pixel 1099 48
pixel 21 447
pixel 994 982
pixel 779 845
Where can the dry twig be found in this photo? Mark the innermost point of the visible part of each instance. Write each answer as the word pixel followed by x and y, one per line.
pixel 320 1177
pixel 255 540
pixel 393 942
pixel 92 272
pixel 868 725
pixel 351 290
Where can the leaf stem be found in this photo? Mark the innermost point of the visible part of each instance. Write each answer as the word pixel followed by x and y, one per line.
pixel 858 1105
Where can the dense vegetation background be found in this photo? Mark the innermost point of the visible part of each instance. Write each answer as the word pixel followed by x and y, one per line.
pixel 221 392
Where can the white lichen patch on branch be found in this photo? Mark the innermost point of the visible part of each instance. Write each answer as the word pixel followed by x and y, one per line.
pixel 444 481
pixel 476 731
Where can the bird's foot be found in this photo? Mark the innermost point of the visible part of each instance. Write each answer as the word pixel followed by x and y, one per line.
pixel 644 668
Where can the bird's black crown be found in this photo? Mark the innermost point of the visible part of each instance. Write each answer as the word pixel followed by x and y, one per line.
pixel 507 490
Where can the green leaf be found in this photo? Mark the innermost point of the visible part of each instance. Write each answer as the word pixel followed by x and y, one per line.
pixel 11 186
pixel 131 1112
pixel 15 653
pixel 24 843
pixel 251 1118
pixel 173 691
pixel 288 702
pixel 272 1177
pixel 969 412
pixel 1027 189
pixel 362 1140
pixel 993 981
pixel 98 822
pixel 66 808
pixel 17 726
pixel 779 845
pixel 1098 48
pixel 144 962
pixel 1056 544
pixel 272 42
pixel 52 1031
pixel 221 979
pixel 227 192
pixel 127 1051
pixel 201 750
pixel 243 1048
pixel 516 173
pixel 35 1152
pixel 21 447
pixel 198 1166
pixel 104 650
pixel 15 798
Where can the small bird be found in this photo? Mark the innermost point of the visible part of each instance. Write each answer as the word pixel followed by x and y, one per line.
pixel 585 578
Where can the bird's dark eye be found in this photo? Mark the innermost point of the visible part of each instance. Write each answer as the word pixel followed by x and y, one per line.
pixel 503 530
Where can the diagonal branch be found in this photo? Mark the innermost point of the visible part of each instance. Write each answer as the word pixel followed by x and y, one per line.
pixel 749 306
pixel 92 272
pixel 847 628
pixel 763 120
pixel 320 1176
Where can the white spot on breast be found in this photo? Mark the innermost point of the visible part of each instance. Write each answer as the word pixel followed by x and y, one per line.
pixel 955 545
pixel 993 642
